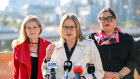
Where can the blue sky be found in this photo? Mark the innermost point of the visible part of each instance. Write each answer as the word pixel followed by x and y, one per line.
pixel 4 3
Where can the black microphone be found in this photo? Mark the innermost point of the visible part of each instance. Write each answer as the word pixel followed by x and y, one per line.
pixel 53 73
pixel 78 70
pixel 67 68
pixel 52 66
pixel 91 69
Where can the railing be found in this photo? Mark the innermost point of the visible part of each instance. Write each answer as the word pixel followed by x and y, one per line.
pixel 6 65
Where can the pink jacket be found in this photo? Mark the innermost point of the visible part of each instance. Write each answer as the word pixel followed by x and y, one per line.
pixel 22 59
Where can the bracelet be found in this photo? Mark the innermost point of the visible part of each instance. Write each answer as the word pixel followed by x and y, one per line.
pixel 121 76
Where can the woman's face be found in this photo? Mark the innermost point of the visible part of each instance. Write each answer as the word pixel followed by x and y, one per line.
pixel 32 30
pixel 69 30
pixel 107 22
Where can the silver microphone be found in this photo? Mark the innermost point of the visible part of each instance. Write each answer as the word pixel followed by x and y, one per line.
pixel 46 74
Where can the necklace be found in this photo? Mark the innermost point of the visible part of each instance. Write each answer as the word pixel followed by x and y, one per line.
pixel 33 43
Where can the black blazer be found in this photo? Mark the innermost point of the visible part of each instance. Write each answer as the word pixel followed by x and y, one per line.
pixel 118 55
pixel 137 41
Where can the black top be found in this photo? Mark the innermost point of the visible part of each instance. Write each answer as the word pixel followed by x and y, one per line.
pixel 118 55
pixel 34 67
pixel 69 53
pixel 137 40
pixel 34 64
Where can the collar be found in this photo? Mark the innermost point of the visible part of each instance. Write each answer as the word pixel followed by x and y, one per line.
pixel 60 43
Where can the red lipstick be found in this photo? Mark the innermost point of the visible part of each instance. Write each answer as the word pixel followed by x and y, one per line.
pixel 107 25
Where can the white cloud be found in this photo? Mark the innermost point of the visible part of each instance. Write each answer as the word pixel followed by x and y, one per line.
pixel 63 2
pixel 3 4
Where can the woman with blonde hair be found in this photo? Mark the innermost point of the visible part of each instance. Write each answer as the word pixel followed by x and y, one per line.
pixel 29 50
pixel 73 47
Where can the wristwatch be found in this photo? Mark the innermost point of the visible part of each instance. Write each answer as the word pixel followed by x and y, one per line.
pixel 46 60
pixel 121 76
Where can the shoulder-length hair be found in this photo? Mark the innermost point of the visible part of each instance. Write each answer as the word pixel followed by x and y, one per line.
pixel 22 34
pixel 77 25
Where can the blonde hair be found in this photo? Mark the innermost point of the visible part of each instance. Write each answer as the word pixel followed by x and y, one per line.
pixel 77 25
pixel 22 34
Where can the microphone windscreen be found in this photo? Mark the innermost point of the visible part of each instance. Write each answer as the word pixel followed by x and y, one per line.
pixel 78 68
pixel 46 72
pixel 52 70
pixel 90 68
pixel 67 65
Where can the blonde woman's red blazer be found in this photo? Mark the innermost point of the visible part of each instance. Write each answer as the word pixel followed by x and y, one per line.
pixel 22 59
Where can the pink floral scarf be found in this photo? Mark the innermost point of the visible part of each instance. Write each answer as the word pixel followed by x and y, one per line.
pixel 103 39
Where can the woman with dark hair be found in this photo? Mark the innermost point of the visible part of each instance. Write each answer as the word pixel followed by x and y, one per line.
pixel 117 49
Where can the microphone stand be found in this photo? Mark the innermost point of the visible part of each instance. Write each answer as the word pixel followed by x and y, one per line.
pixel 93 75
pixel 78 75
pixel 46 74
pixel 66 74
pixel 53 73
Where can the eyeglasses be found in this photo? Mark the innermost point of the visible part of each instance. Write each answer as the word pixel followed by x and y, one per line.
pixel 34 28
pixel 72 28
pixel 108 19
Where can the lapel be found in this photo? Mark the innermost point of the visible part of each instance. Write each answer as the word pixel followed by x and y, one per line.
pixel 75 56
pixel 22 54
pixel 25 57
pixel 41 54
pixel 77 53
pixel 60 45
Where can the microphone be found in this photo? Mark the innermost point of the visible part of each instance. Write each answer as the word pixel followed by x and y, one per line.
pixel 91 69
pixel 53 73
pixel 46 74
pixel 52 66
pixel 67 68
pixel 78 70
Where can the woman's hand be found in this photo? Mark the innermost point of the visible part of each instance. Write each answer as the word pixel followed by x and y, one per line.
pixel 49 51
pixel 108 75
pixel 111 75
pixel 116 75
